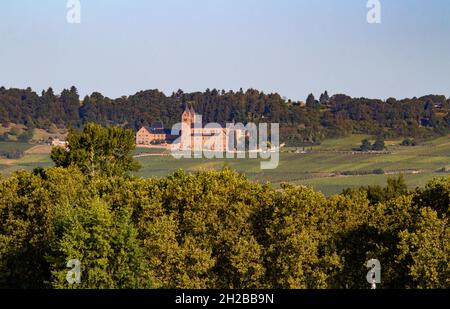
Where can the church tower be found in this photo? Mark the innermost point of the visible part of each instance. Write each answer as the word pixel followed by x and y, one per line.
pixel 188 117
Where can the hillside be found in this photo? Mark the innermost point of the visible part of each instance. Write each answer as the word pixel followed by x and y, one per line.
pixel 301 123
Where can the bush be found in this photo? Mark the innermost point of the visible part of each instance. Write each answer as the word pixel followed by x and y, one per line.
pixel 408 142
pixel 4 137
pixel 11 154
pixel 365 145
pixel 26 136
pixel 379 144
pixel 15 131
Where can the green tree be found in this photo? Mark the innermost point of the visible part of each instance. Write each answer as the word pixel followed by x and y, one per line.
pixel 395 187
pixel 408 142
pixel 23 240
pixel 207 235
pixel 294 257
pixel 365 145
pixel 70 101
pixel 4 137
pixel 324 98
pixel 425 248
pixel 435 195
pixel 25 136
pixel 97 150
pixel 311 101
pixel 107 246
pixel 217 230
pixel 379 144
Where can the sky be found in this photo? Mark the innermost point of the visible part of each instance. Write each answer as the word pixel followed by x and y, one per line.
pixel 293 47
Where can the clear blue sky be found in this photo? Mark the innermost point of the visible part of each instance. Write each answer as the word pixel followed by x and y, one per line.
pixel 288 46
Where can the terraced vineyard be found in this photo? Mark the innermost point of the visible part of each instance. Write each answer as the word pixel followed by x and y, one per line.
pixel 330 167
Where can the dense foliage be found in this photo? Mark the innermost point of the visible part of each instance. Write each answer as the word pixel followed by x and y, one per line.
pixel 217 230
pixel 308 123
pixel 98 150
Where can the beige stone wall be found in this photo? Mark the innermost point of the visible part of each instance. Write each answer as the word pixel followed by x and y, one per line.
pixel 144 137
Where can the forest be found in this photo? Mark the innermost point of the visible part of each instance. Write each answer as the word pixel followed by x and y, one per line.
pixel 301 123
pixel 217 230
pixel 210 229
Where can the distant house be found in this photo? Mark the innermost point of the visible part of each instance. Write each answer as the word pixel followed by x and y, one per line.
pixel 59 143
pixel 153 135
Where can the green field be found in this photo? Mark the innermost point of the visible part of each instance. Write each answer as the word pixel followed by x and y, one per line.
pixel 140 151
pixel 10 146
pixel 320 167
pixel 335 185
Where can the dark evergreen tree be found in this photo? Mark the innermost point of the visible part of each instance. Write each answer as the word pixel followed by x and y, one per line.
pixel 324 98
pixel 365 145
pixel 311 101
pixel 379 144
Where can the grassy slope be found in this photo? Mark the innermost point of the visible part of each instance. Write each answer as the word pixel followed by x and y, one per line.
pixel 28 162
pixel 10 146
pixel 335 185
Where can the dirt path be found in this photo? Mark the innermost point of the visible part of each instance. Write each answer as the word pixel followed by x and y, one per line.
pixel 39 149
